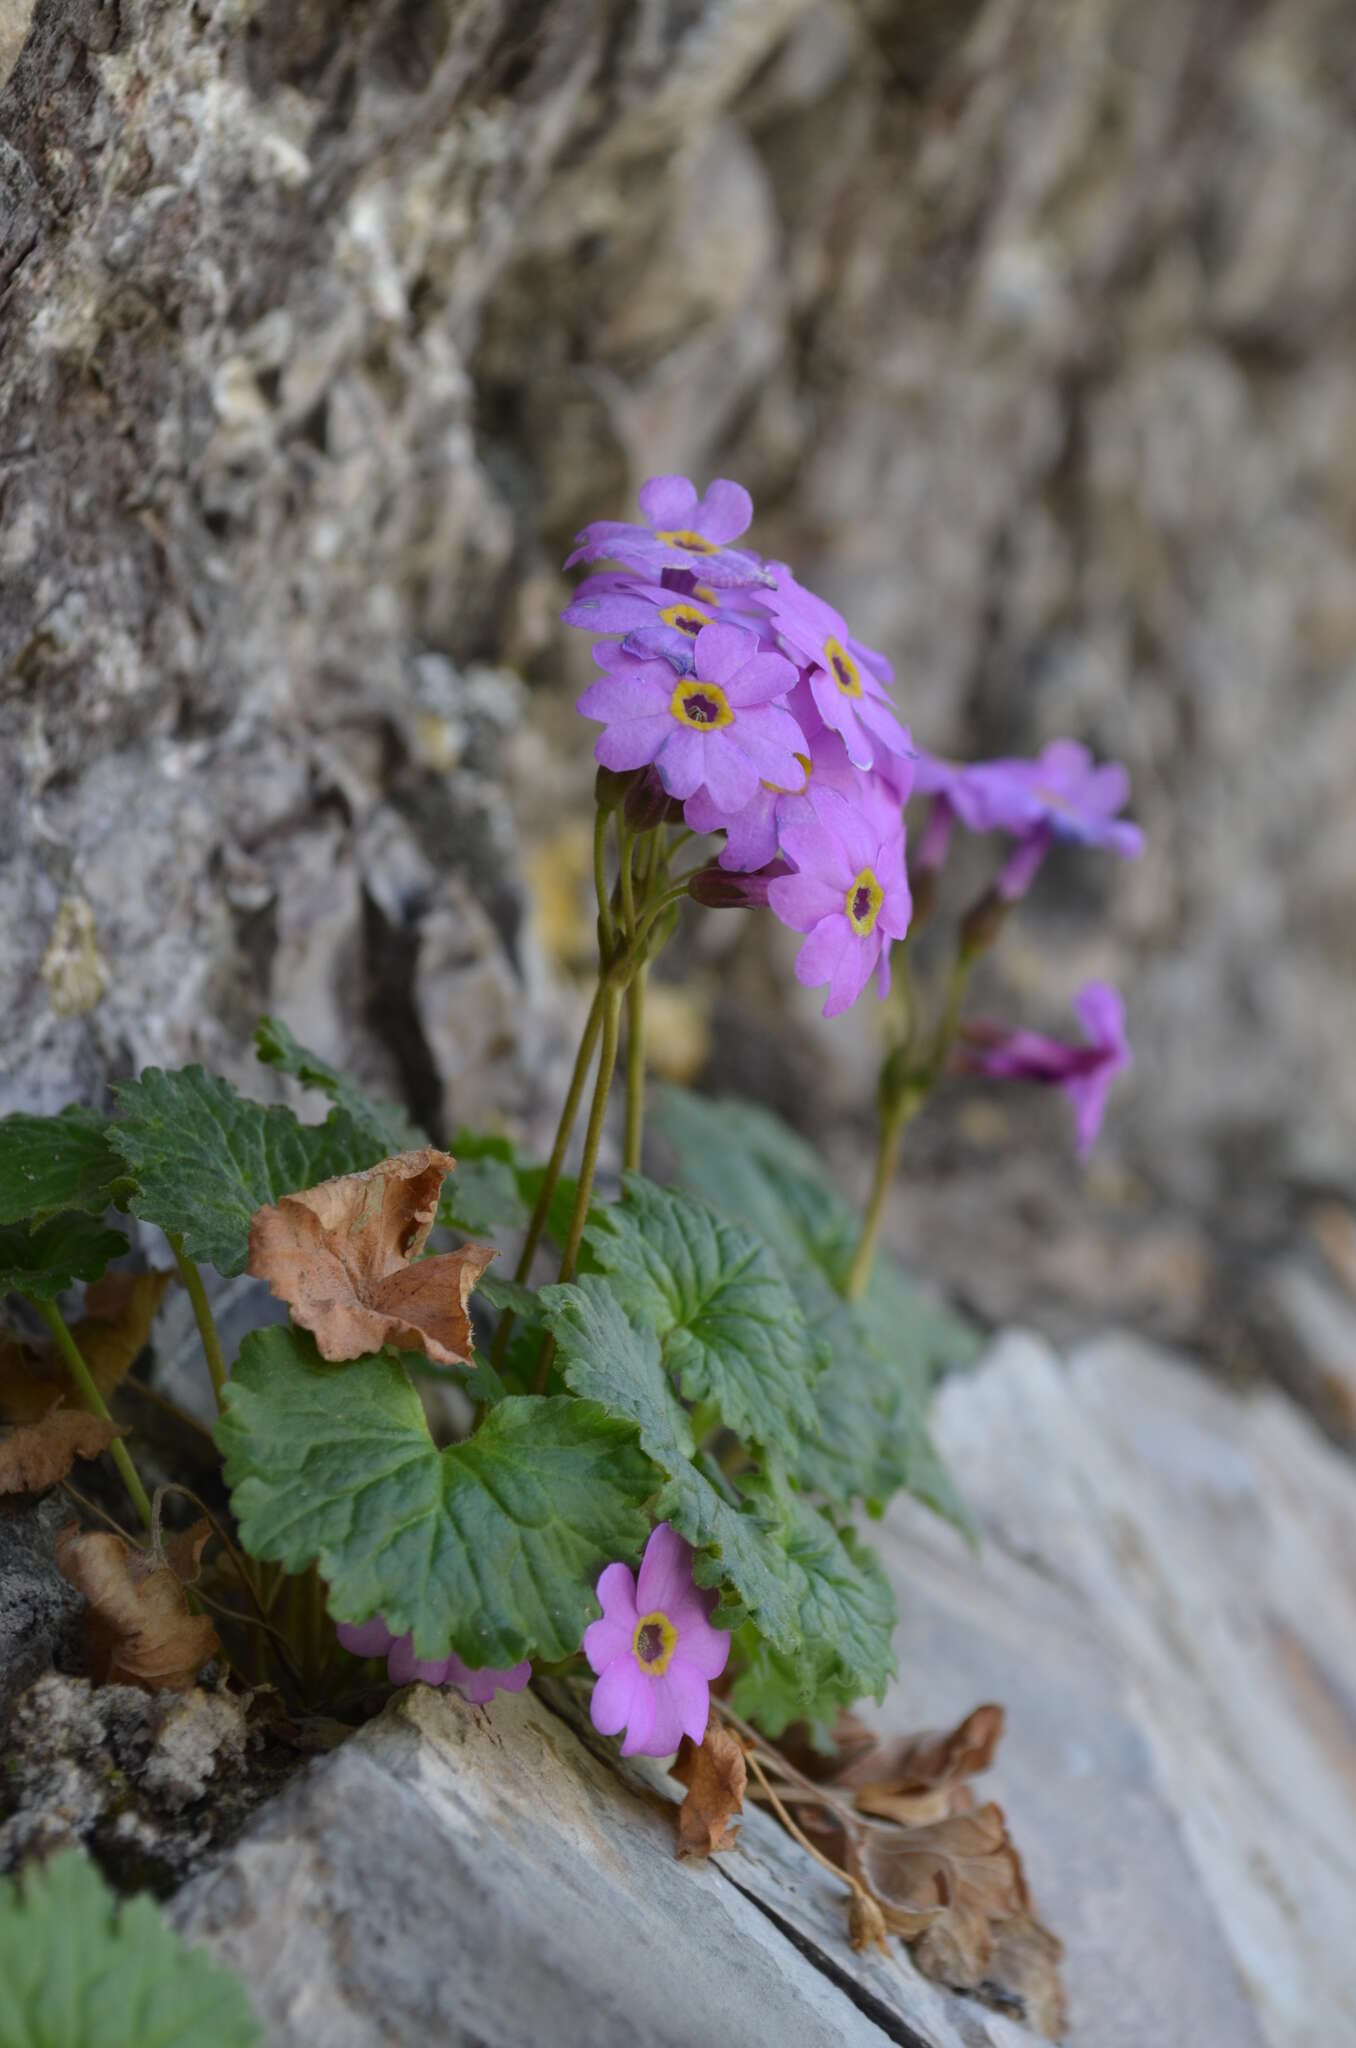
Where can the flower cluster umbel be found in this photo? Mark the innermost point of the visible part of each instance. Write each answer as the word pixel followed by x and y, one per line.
pixel 747 699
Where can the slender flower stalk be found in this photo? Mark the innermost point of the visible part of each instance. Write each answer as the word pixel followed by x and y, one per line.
pixel 202 1316
pixel 607 1062
pixel 94 1401
pixel 635 1068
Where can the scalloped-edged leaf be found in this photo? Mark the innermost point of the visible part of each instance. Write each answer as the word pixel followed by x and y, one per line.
pixel 491 1547
pixel 385 1122
pixel 484 1195
pixel 50 1164
pixel 206 1158
pixel 608 1358
pixel 870 1438
pixel 43 1263
pixel 81 1969
pixel 729 1327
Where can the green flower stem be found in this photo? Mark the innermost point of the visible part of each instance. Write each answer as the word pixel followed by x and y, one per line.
pixel 607 931
pixel 602 1088
pixel 94 1401
pixel 628 844
pixel 894 1116
pixel 635 1068
pixel 202 1315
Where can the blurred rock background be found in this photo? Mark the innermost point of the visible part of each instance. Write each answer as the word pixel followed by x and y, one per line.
pixel 1029 323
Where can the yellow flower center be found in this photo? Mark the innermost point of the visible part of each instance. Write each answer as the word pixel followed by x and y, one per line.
pixel 653 1643
pixel 842 668
pixel 691 543
pixel 701 705
pixel 782 789
pixel 862 903
pixel 706 593
pixel 687 617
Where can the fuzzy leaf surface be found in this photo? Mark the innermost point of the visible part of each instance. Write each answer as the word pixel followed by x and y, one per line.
pixel 49 1164
pixel 42 1263
pixel 206 1158
pixel 729 1327
pixel 608 1358
pixel 491 1547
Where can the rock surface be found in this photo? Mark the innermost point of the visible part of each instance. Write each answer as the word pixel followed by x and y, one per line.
pixel 1163 1603
pixel 322 326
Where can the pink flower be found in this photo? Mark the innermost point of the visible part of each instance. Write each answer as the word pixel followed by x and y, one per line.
pixel 847 680
pixel 681 531
pixel 655 620
pixel 655 1651
pixel 719 727
pixel 850 894
pixel 1084 1072
pixel 752 834
pixel 374 1639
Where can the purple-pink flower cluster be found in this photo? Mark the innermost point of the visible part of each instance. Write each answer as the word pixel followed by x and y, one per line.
pixel 374 1639
pixel 757 708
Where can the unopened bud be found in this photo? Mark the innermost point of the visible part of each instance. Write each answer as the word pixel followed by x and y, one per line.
pixel 612 786
pixel 647 802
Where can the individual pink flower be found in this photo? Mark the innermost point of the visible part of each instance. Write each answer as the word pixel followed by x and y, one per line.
pixel 655 619
pixel 1084 1072
pixel 654 1651
pixel 850 893
pixel 681 531
pixel 752 834
pixel 374 1639
pixel 847 680
pixel 720 726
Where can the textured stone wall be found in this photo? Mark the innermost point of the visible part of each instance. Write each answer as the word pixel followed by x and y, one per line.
pixel 323 324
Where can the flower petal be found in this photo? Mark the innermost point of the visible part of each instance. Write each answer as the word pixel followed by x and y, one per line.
pixel 817 960
pixel 689 1692
pixel 640 1720
pixel 681 760
pixel 669 502
pixel 722 651
pixel 852 971
pixel 365 1638
pixel 760 679
pixel 705 1649
pixel 730 775
pixel 403 1667
pixel 665 1572
pixel 606 1640
pixel 616 1592
pixel 802 901
pixel 632 743
pixel 616 1694
pixel 726 511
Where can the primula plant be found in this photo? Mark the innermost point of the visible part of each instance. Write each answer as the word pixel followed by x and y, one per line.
pixel 674 1401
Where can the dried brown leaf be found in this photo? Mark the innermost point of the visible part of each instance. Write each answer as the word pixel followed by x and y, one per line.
pixel 956 1948
pixel 138 1628
pixel 914 1809
pixel 119 1311
pixel 1023 1975
pixel 344 1257
pixel 716 1777
pixel 182 1550
pixel 920 1763
pixel 966 1861
pixel 37 1454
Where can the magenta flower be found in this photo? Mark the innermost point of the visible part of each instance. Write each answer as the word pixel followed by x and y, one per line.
pixel 655 1651
pixel 681 531
pixel 1084 1072
pixel 719 727
pixel 847 680
pixel 752 835
pixel 850 894
pixel 374 1639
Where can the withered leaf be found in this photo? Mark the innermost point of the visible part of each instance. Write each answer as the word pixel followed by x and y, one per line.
pixel 716 1776
pixel 962 1864
pixel 1023 1975
pixel 920 1763
pixel 182 1550
pixel 138 1628
pixel 344 1256
pixel 119 1311
pixel 37 1454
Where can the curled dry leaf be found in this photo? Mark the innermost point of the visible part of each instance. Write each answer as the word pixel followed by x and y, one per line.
pixel 344 1256
pixel 183 1548
pixel 923 1763
pixel 716 1777
pixel 119 1311
pixel 37 1454
pixel 965 1862
pixel 138 1628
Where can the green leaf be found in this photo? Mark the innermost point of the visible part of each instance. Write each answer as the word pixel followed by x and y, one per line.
pixel 49 1164
pixel 206 1158
pixel 384 1122
pixel 870 1437
pixel 771 1689
pixel 42 1263
pixel 491 1547
pixel 729 1326
pixel 80 1969
pixel 483 1195
pixel 607 1358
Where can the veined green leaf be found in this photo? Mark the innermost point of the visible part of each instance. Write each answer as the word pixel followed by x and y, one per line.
pixel 50 1164
pixel 42 1263
pixel 607 1358
pixel 385 1122
pixel 206 1158
pixel 491 1547
pixel 729 1327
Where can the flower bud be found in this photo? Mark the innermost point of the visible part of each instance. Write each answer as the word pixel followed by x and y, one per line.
pixel 612 786
pixel 647 802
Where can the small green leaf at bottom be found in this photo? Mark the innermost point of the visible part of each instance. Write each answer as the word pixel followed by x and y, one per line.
pixel 43 1263
pixel 491 1547
pixel 79 1969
